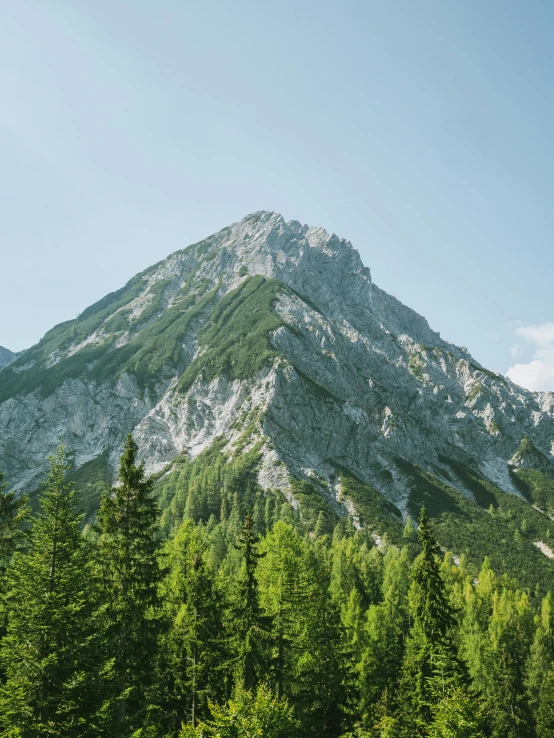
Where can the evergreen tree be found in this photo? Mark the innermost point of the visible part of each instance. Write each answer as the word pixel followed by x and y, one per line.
pixel 234 521
pixel 47 652
pixel 324 668
pixel 473 632
pixel 128 550
pixel 428 601
pixel 192 650
pixel 284 590
pixel 258 515
pixel 249 627
pixel 429 644
pixel 458 714
pixel 386 627
pixel 248 715
pixel 509 639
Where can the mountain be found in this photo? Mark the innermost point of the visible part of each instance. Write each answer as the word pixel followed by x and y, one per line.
pixel 6 356
pixel 272 336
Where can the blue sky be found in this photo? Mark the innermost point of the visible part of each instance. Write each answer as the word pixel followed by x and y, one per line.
pixel 420 131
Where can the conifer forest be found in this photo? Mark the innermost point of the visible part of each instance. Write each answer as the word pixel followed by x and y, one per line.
pixel 208 608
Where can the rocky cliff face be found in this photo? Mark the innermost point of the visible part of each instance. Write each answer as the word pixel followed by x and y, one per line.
pixel 270 332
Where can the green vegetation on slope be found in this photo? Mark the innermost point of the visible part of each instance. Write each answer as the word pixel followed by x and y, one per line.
pixel 235 341
pixel 216 484
pixel 416 366
pixel 212 484
pixel 537 488
pixel 501 526
pixel 16 380
pixel 158 346
pixel 524 450
pixel 375 512
pixel 92 479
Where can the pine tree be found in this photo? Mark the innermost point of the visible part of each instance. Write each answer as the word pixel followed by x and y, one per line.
pixel 249 639
pixel 284 589
pixel 509 638
pixel 473 632
pixel 130 575
pixel 248 715
pixel 386 627
pixel 429 644
pixel 324 666
pixel 47 652
pixel 428 601
pixel 258 515
pixel 193 649
pixel 234 521
pixel 322 525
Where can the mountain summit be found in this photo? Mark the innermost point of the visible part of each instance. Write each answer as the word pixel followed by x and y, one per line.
pixel 272 335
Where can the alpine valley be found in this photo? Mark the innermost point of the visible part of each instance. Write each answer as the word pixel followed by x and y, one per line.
pixel 268 351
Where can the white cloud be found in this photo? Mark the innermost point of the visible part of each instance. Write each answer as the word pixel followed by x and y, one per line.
pixel 541 335
pixel 538 374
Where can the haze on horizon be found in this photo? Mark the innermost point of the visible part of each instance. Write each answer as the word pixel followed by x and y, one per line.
pixel 421 133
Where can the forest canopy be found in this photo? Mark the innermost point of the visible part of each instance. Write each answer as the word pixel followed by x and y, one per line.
pixel 208 607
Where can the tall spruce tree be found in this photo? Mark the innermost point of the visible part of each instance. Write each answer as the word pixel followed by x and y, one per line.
pixel 429 647
pixel 192 651
pixel 128 548
pixel 47 652
pixel 510 635
pixel 386 628
pixel 324 668
pixel 284 589
pixel 249 628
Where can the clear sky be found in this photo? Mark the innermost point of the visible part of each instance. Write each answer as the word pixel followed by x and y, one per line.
pixel 422 131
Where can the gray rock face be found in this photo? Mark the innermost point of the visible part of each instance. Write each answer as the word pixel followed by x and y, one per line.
pixel 359 381
pixel 6 356
pixel 87 419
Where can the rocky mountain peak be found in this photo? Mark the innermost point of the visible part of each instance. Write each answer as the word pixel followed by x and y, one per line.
pixel 271 335
pixel 265 244
pixel 268 345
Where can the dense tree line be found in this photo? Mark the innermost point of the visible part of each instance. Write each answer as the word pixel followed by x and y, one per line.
pixel 238 615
